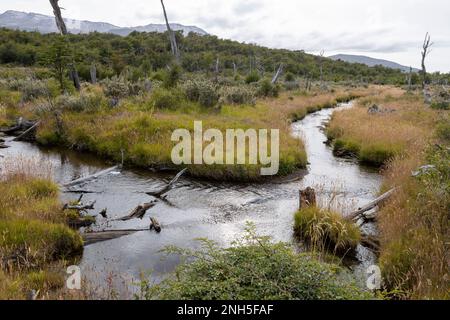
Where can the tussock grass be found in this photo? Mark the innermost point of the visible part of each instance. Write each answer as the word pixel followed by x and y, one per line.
pixel 326 230
pixel 33 233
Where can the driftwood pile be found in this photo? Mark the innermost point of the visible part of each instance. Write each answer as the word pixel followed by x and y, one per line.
pixel 137 213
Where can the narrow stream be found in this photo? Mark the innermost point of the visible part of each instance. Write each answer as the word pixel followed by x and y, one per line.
pixel 201 209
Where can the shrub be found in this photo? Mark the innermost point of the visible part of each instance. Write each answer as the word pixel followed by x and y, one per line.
pixel 88 102
pixel 441 105
pixel 252 77
pixel 171 77
pixel 30 88
pixel 289 77
pixel 166 99
pixel 267 89
pixel 326 230
pixel 115 88
pixel 291 85
pixel 203 92
pixel 253 268
pixel 237 95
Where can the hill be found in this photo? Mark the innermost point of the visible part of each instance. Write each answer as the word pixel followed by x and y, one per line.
pixel 371 62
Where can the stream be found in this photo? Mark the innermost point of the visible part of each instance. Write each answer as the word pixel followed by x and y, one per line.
pixel 202 209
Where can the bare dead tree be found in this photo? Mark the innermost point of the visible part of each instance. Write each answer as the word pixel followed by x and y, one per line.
pixel 63 30
pixel 277 74
pixel 427 44
pixel 172 37
pixel 322 52
pixel 216 69
pixel 410 79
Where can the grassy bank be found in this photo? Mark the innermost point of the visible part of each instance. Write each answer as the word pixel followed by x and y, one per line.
pixel 141 124
pixel 413 224
pixel 402 123
pixel 35 241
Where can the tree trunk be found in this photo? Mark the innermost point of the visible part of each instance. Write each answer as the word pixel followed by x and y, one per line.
pixel 172 37
pixel 307 198
pixel 93 72
pixel 63 30
pixel 277 74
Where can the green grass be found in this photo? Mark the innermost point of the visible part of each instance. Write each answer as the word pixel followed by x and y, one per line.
pixel 34 235
pixel 326 230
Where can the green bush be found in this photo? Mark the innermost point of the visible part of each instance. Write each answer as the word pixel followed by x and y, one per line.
pixel 267 89
pixel 252 77
pixel 289 77
pixel 87 102
pixel 171 77
pixel 203 92
pixel 237 95
pixel 253 268
pixel 441 105
pixel 115 88
pixel 166 99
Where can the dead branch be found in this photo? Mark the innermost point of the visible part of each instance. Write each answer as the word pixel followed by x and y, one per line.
pixel 138 212
pixel 93 176
pixel 154 224
pixel 168 187
pixel 33 127
pixel 361 211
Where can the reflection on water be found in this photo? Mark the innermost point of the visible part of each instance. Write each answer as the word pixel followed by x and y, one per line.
pixel 196 209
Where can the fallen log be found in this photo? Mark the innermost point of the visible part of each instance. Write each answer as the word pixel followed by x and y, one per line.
pixel 23 134
pixel 360 212
pixel 371 242
pixel 168 187
pixel 95 237
pixel 80 206
pixel 91 177
pixel 139 212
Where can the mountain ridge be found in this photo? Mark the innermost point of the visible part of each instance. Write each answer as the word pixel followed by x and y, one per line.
pixel 30 21
pixel 371 62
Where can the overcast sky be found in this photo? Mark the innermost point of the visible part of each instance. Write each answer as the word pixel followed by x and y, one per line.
pixel 386 29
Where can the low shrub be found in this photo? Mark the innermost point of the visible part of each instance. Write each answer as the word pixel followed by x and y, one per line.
pixel 253 268
pixel 326 230
pixel 252 77
pixel 237 95
pixel 166 99
pixel 204 92
pixel 84 102
pixel 267 89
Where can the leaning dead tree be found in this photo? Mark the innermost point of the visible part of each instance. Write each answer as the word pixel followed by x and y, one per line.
pixel 63 30
pixel 172 37
pixel 427 44
pixel 277 74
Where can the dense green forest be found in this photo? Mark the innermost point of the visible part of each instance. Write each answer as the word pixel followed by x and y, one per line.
pixel 141 54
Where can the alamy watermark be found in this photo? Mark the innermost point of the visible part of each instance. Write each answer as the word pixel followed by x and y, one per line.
pixel 374 279
pixel 236 147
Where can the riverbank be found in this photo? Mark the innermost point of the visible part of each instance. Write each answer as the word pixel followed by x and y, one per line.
pixel 142 132
pixel 35 241
pixel 411 140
